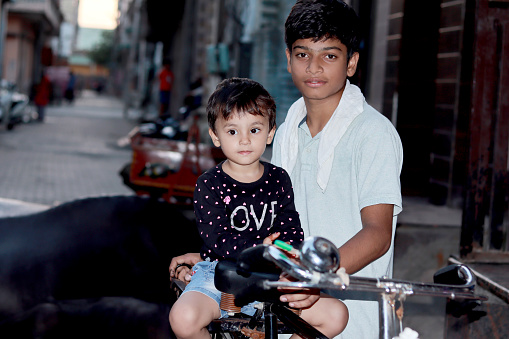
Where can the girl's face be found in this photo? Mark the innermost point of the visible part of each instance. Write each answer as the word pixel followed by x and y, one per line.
pixel 243 137
pixel 319 69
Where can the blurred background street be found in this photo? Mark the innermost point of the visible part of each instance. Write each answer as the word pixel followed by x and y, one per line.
pixel 74 154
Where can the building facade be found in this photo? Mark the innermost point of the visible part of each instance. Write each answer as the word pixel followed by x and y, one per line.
pixel 31 25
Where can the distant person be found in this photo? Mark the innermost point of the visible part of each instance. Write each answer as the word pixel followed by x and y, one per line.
pixel 69 90
pixel 165 87
pixel 193 99
pixel 42 96
pixel 99 86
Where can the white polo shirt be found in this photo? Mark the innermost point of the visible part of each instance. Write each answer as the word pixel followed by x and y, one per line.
pixel 366 169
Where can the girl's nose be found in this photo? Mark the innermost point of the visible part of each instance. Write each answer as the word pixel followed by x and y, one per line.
pixel 244 139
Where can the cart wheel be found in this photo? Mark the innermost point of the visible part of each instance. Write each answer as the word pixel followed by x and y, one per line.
pixel 10 126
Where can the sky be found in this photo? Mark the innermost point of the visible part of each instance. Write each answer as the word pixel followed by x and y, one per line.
pixel 97 14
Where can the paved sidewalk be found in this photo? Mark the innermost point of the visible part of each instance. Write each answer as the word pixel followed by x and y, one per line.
pixel 73 154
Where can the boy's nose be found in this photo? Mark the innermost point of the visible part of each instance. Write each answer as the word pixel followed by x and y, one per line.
pixel 314 66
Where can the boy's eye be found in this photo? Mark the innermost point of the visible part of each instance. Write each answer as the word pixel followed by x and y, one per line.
pixel 232 132
pixel 330 56
pixel 255 130
pixel 301 55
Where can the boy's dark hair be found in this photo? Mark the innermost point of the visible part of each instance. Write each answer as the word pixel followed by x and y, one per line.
pixel 240 95
pixel 322 20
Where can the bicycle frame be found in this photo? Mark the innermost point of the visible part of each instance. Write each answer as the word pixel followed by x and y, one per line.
pixel 391 290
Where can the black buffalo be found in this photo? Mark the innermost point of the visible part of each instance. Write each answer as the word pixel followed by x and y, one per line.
pixel 91 268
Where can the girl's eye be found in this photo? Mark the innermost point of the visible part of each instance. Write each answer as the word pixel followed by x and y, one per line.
pixel 232 132
pixel 255 130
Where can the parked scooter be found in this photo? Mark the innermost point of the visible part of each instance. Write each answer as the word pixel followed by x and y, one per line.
pixel 14 106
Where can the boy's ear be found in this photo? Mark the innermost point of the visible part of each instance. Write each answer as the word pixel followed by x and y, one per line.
pixel 270 137
pixel 352 64
pixel 215 139
pixel 288 58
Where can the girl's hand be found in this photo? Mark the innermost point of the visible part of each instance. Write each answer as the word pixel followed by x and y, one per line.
pixel 270 239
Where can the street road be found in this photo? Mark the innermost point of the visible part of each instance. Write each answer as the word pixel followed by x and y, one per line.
pixel 73 154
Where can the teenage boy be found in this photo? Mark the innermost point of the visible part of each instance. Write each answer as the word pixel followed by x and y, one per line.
pixel 344 157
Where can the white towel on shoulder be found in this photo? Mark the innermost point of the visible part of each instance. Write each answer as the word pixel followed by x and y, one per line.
pixel 350 105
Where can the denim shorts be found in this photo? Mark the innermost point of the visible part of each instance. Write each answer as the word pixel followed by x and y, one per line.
pixel 203 281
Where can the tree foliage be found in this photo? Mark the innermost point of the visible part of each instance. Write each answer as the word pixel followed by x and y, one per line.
pixel 102 51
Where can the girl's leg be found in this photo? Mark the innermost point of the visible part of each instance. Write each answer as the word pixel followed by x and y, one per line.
pixel 191 314
pixel 328 315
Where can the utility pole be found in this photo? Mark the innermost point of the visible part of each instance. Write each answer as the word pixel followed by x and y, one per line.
pixel 4 9
pixel 130 69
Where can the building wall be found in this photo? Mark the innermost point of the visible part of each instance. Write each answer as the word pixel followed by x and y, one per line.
pixel 19 53
pixel 452 102
pixel 427 89
pixel 268 54
pixel 69 28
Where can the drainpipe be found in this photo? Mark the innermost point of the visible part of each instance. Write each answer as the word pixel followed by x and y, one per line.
pixel 130 69
pixel 4 10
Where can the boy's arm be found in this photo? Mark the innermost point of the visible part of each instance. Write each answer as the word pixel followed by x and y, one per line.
pixel 178 266
pixel 367 245
pixel 372 241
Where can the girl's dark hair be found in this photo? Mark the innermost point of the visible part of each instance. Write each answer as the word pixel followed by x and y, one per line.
pixel 322 20
pixel 240 95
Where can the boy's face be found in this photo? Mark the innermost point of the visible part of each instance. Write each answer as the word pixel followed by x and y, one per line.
pixel 319 69
pixel 243 137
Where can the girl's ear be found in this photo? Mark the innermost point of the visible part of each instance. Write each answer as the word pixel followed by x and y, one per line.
pixel 270 137
pixel 215 139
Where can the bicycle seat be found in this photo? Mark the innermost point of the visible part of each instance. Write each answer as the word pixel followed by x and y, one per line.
pixel 244 279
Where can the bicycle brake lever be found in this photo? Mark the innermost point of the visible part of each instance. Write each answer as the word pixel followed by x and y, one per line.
pixel 287 265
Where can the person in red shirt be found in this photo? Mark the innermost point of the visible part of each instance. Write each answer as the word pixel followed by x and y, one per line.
pixel 42 96
pixel 165 86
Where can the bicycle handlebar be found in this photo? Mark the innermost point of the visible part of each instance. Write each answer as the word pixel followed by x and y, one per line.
pixel 313 279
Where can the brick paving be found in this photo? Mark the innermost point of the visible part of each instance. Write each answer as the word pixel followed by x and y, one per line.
pixel 73 154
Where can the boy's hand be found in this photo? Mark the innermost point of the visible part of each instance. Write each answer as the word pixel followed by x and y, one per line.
pixel 270 239
pixel 178 268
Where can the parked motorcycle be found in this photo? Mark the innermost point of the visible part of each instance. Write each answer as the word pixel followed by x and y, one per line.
pixel 167 161
pixel 14 106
